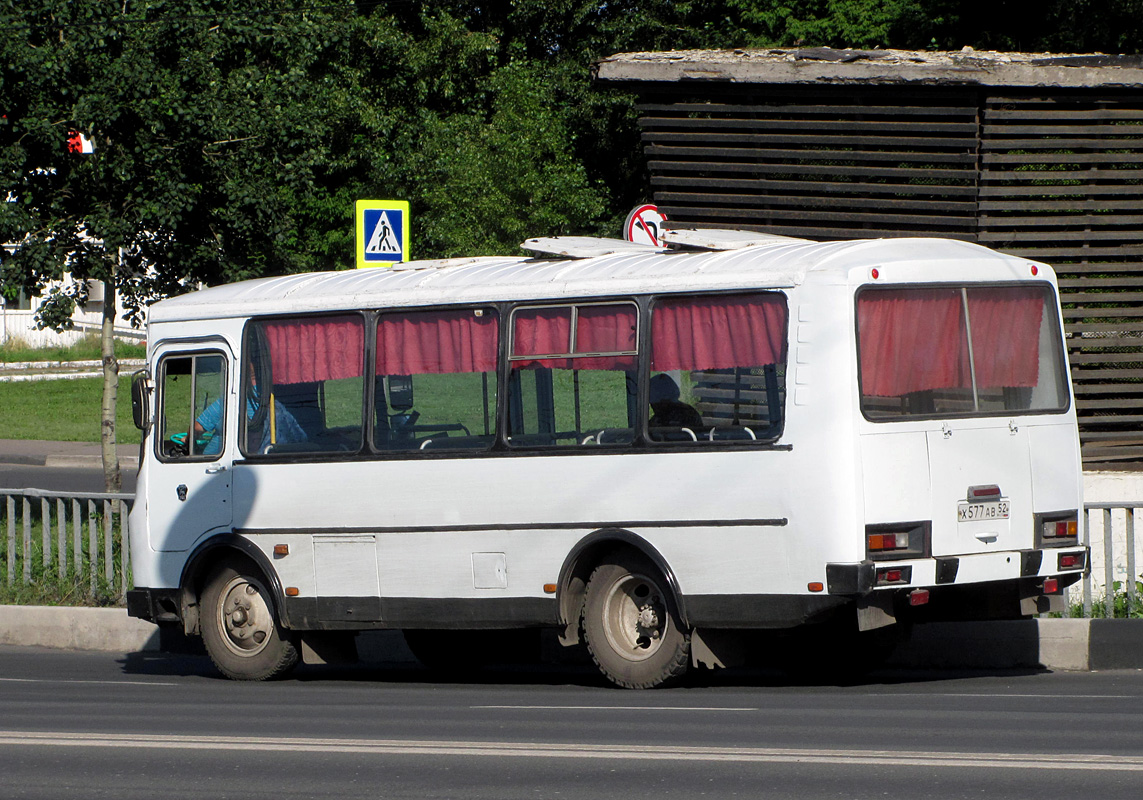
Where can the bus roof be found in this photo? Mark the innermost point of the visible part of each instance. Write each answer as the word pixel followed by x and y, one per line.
pixel 772 265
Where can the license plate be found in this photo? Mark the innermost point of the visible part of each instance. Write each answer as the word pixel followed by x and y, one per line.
pixel 970 512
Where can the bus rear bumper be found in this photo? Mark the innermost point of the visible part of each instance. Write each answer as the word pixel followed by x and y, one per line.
pixel 154 605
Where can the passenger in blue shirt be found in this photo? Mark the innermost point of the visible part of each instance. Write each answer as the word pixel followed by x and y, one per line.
pixel 286 428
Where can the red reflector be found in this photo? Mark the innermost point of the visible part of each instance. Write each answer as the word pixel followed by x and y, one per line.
pixel 1069 562
pixel 893 575
pixel 918 597
pixel 1051 586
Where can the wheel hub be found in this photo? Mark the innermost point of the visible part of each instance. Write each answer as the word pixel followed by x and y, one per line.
pixel 635 618
pixel 245 618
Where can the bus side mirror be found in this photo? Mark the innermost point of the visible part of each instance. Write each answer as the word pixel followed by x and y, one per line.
pixel 140 409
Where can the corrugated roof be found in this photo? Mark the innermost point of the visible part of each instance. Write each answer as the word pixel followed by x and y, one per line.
pixel 773 265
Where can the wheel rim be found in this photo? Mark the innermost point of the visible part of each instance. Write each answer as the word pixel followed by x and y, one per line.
pixel 244 617
pixel 635 618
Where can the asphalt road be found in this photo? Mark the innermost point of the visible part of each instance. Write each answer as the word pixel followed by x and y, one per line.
pixel 59 479
pixel 87 725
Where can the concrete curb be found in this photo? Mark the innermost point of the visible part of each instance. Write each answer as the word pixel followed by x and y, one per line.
pixel 1057 644
pixel 87 461
pixel 108 629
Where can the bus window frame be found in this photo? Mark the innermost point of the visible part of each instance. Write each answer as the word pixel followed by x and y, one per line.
pixel 643 305
pixel 368 319
pixel 161 403
pixel 767 443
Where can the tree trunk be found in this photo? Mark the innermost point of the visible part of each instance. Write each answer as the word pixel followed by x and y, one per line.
pixel 111 479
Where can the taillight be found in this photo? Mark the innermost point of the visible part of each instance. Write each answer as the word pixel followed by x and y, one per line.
pixel 891 575
pixel 1071 561
pixel 1058 530
pixel 897 541
pixel 880 542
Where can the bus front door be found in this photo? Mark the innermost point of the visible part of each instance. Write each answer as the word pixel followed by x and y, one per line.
pixel 188 479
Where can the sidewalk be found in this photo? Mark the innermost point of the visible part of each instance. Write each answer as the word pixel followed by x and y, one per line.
pixel 63 454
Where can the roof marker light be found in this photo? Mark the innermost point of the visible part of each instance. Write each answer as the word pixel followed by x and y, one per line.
pixel 875 273
pixel 1035 270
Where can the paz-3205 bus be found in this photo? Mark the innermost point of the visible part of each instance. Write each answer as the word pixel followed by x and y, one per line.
pixel 655 452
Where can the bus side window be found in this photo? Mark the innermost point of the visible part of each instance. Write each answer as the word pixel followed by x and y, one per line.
pixel 720 364
pixel 304 390
pixel 192 413
pixel 435 387
pixel 572 378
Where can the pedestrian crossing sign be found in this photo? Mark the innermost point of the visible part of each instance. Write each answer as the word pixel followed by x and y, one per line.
pixel 382 232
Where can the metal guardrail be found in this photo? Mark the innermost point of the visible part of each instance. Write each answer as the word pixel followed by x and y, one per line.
pixel 1108 529
pixel 79 542
pixel 75 540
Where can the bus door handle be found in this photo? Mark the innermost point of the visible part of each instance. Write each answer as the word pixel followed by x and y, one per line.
pixel 214 469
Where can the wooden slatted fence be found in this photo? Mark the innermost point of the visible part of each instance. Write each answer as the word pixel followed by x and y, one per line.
pixel 1054 175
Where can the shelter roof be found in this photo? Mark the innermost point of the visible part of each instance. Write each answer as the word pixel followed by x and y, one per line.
pixel 824 65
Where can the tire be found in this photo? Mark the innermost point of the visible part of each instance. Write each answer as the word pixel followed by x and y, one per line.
pixel 631 624
pixel 240 628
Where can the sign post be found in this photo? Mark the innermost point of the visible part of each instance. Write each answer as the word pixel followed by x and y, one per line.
pixel 381 232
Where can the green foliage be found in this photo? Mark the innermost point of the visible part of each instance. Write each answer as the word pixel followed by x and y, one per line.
pixel 1120 607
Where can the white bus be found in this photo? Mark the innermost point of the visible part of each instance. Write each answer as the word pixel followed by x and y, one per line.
pixel 655 452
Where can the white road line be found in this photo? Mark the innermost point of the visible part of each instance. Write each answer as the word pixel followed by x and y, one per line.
pixel 231 744
pixel 618 708
pixel 95 683
pixel 991 696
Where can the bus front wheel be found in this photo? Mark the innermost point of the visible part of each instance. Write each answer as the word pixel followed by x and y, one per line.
pixel 631 624
pixel 240 629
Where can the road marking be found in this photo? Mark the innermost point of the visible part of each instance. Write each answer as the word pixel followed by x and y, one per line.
pixel 619 708
pixel 96 683
pixel 247 744
pixel 1003 696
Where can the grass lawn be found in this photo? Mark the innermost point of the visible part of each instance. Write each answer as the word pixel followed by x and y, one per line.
pixel 62 410
pixel 87 349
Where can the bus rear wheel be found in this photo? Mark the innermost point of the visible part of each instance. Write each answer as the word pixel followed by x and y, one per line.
pixel 631 624
pixel 240 629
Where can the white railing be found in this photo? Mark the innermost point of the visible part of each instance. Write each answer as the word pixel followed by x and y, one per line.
pixel 1109 529
pixel 64 544
pixel 84 544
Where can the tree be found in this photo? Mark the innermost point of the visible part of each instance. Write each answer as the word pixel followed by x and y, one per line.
pixel 212 128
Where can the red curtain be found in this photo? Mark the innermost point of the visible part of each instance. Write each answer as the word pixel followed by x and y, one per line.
pixel 1006 335
pixel 599 329
pixel 437 342
pixel 308 350
pixel 718 332
pixel 911 340
pixel 914 340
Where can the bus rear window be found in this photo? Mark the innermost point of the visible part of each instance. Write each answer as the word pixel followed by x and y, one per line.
pixel 959 351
